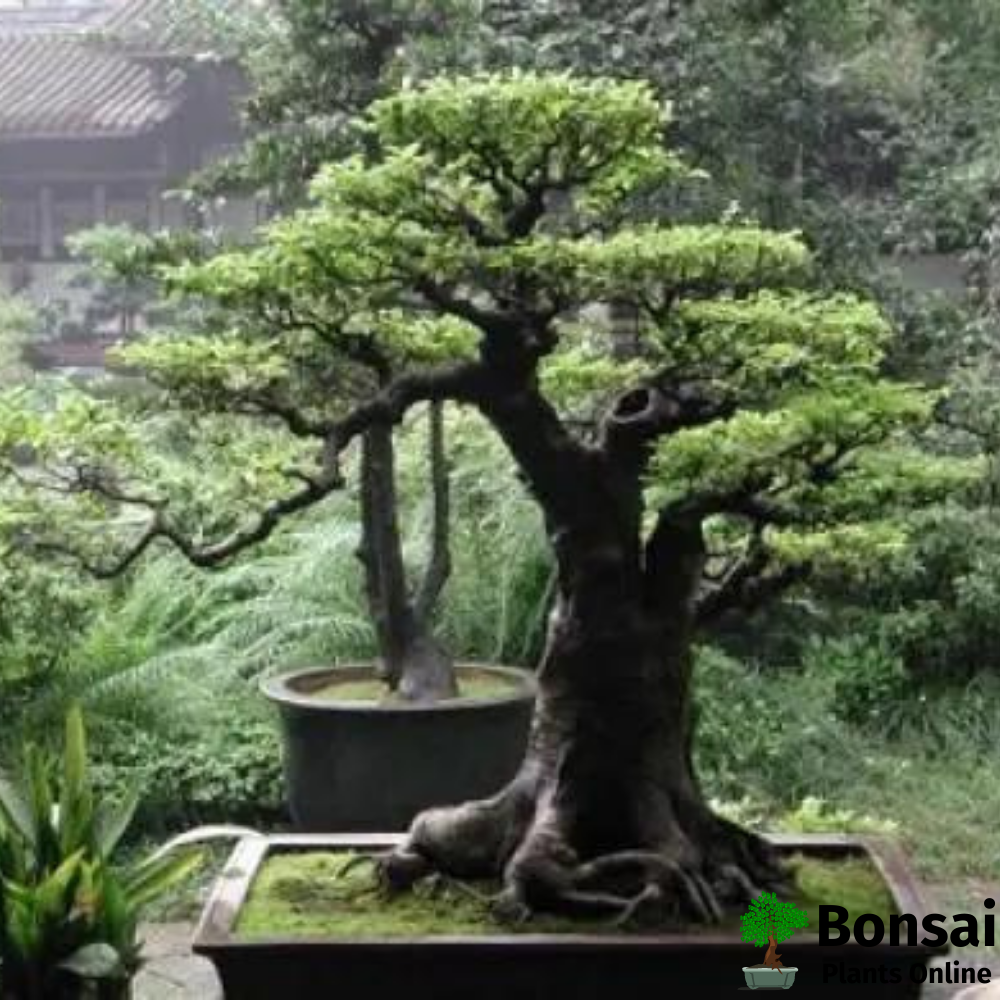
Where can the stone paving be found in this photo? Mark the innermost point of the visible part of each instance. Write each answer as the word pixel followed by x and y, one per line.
pixel 171 971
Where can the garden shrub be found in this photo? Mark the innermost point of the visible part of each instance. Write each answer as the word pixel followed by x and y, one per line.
pixel 765 734
pixel 866 685
pixel 230 774
pixel 34 644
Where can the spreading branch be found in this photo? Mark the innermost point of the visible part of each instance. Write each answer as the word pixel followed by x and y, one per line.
pixel 462 383
pixel 677 576
pixel 749 583
pixel 160 528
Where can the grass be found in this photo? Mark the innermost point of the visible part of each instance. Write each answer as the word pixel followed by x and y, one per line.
pixel 310 894
pixel 777 741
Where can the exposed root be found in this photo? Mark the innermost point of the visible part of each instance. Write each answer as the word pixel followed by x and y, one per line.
pixel 508 908
pixel 727 868
pixel 685 864
pixel 357 860
pixel 438 884
pixel 753 856
pixel 651 896
pixel 400 870
pixel 695 884
pixel 659 875
pixel 732 876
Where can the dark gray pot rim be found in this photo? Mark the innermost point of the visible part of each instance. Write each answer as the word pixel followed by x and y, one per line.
pixel 280 690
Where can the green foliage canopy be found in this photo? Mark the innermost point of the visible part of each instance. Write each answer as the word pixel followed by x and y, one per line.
pixel 769 918
pixel 466 257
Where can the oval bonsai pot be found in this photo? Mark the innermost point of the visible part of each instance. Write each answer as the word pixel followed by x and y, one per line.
pixel 769 979
pixel 703 962
pixel 363 766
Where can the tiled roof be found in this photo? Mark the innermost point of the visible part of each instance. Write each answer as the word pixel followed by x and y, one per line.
pixel 64 16
pixel 54 85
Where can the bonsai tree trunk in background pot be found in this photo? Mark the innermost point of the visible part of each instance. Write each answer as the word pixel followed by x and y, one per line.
pixel 373 765
pixel 412 661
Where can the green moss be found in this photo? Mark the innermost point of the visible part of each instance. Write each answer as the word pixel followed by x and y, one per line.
pixel 854 883
pixel 471 685
pixel 309 894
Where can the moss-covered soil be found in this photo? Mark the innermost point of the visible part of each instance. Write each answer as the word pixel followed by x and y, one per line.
pixel 310 894
pixel 470 685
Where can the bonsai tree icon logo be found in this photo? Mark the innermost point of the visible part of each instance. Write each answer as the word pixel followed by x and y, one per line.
pixel 770 922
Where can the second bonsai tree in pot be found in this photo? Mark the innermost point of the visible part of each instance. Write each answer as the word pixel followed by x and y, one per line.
pixel 367 746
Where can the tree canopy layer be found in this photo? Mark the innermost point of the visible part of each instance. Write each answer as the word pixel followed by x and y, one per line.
pixel 463 254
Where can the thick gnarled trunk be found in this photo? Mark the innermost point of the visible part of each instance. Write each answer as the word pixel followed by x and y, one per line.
pixel 606 816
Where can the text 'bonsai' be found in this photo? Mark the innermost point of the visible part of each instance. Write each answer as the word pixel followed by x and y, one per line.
pixel 770 922
pixel 736 435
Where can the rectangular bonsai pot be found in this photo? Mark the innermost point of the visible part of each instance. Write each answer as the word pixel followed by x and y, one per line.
pixel 534 966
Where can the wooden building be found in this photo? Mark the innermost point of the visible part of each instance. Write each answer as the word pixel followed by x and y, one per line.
pixel 102 113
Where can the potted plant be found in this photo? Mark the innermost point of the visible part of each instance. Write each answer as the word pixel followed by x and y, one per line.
pixel 69 906
pixel 770 922
pixel 299 914
pixel 739 444
pixel 349 731
pixel 351 764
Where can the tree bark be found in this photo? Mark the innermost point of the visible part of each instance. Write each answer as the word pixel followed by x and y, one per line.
pixel 772 959
pixel 438 567
pixel 412 662
pixel 606 816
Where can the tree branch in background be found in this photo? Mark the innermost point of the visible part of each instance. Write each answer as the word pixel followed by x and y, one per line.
pixel 749 582
pixel 159 528
pixel 748 593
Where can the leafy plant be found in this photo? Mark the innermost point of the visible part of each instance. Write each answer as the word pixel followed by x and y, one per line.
pixel 868 685
pixel 68 914
pixel 811 815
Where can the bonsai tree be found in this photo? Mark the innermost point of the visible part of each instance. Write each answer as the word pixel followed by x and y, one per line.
pixel 770 922
pixel 747 436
